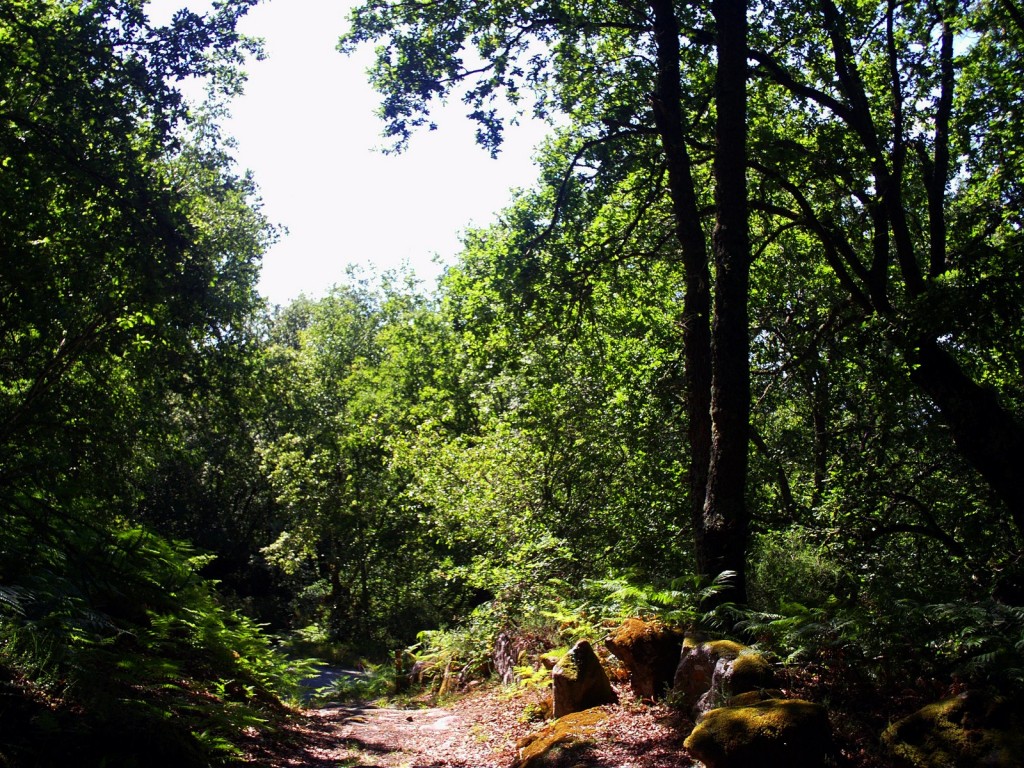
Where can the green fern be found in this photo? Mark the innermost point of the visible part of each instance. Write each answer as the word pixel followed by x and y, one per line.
pixel 797 632
pixel 13 598
pixel 533 678
pixel 118 623
pixel 678 603
pixel 984 640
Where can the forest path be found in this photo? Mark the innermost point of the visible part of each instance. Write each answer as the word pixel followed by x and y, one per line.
pixel 392 738
pixel 475 732
pixel 480 728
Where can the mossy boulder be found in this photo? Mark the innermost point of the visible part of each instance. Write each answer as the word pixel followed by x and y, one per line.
pixel 753 697
pixel 775 733
pixel 709 673
pixel 970 730
pixel 749 671
pixel 564 742
pixel 579 682
pixel 650 651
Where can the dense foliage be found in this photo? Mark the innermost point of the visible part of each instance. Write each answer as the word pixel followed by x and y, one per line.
pixel 882 226
pixel 767 380
pixel 128 256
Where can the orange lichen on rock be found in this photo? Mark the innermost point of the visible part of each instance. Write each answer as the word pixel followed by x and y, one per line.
pixel 650 651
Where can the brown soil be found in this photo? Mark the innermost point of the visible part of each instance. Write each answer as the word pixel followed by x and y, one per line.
pixel 478 730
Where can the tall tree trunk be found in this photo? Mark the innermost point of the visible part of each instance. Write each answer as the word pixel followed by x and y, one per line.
pixel 696 317
pixel 726 519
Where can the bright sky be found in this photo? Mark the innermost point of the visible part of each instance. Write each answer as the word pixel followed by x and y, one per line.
pixel 307 129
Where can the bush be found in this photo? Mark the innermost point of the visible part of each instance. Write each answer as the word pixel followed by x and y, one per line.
pixel 790 566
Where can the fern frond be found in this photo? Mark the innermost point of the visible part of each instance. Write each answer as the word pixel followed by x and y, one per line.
pixel 13 598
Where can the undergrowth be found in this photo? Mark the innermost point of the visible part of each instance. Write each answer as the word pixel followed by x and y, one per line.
pixel 114 631
pixel 552 620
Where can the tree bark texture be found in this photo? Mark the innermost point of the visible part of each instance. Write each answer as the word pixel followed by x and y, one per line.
pixel 726 519
pixel 696 317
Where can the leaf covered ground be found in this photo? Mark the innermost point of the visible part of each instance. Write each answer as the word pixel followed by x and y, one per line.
pixel 478 730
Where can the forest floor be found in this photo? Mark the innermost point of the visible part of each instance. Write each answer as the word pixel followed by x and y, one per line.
pixel 477 730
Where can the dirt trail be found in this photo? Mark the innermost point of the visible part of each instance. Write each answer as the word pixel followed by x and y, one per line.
pixel 365 736
pixel 396 737
pixel 478 730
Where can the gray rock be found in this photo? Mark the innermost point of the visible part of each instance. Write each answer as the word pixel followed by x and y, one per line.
pixel 709 673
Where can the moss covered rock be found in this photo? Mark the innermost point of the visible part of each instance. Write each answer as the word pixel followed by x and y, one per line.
pixel 579 682
pixel 650 651
pixel 967 731
pixel 775 733
pixel 709 673
pixel 753 697
pixel 565 742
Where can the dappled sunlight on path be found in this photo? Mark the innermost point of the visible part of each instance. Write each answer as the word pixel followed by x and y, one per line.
pixel 479 730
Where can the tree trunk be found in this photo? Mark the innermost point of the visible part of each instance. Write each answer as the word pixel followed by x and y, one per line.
pixel 726 519
pixel 985 432
pixel 696 317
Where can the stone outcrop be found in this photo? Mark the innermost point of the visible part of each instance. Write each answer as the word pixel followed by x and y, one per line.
pixel 579 682
pixel 969 731
pixel 774 733
pixel 650 651
pixel 561 742
pixel 709 673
